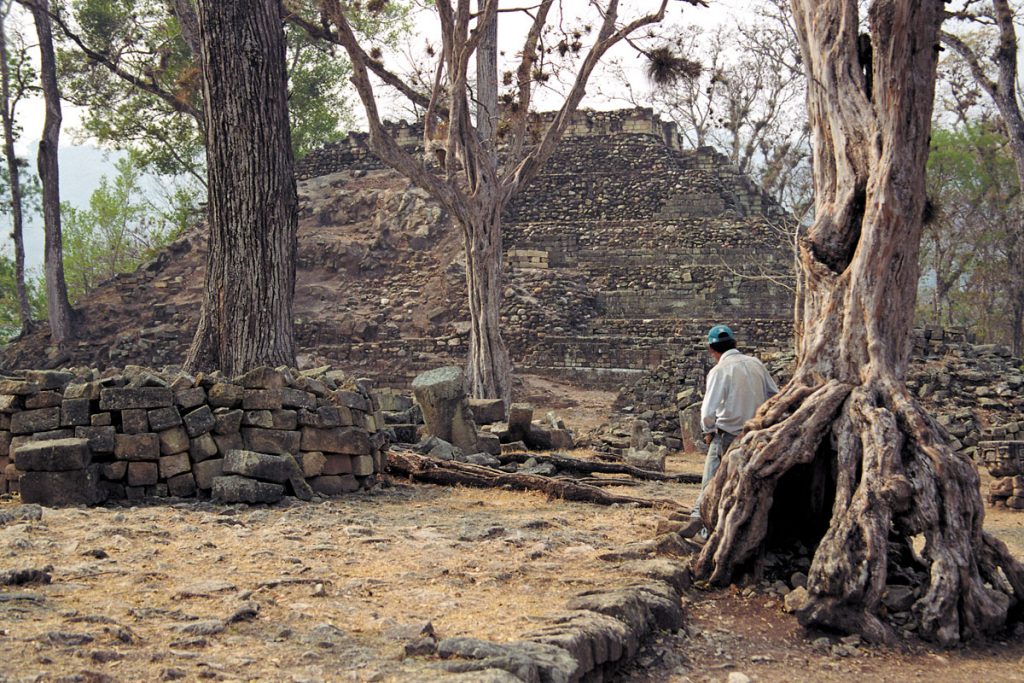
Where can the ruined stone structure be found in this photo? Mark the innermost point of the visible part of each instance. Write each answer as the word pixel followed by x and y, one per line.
pixel 659 242
pixel 72 438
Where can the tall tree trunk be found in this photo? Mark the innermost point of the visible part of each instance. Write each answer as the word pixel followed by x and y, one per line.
pixel 58 308
pixel 490 368
pixel 847 411
pixel 14 175
pixel 487 85
pixel 246 319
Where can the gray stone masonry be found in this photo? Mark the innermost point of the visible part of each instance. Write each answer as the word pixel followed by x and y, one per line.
pixel 185 436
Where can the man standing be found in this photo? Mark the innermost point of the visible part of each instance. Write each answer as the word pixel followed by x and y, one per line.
pixel 736 386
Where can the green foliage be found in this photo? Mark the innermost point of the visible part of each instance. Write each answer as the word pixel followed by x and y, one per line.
pixel 143 40
pixel 969 248
pixel 10 319
pixel 120 229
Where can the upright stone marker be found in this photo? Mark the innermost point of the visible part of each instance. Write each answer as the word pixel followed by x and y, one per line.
pixel 441 394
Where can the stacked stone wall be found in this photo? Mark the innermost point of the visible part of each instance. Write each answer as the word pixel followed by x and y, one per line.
pixel 73 437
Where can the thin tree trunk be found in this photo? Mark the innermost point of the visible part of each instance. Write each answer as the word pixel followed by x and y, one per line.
pixel 490 368
pixel 59 309
pixel 246 319
pixel 14 176
pixel 847 410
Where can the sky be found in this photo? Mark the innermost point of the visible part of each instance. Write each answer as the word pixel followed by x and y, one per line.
pixel 83 164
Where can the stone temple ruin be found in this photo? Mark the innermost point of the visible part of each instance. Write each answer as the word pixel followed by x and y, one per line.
pixel 619 257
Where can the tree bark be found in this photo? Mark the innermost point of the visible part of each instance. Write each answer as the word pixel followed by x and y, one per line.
pixel 58 308
pixel 14 176
pixel 246 319
pixel 846 423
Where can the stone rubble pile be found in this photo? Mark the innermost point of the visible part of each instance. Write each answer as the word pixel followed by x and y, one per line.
pixel 76 437
pixel 974 391
pixel 443 422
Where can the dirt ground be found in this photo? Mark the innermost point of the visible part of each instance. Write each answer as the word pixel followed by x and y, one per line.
pixel 333 591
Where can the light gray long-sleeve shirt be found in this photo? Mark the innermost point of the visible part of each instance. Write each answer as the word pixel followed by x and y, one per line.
pixel 736 386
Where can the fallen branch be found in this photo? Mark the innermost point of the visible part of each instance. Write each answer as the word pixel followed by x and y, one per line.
pixel 578 465
pixel 451 473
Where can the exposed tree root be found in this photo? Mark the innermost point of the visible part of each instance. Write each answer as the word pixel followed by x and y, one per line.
pixel 892 480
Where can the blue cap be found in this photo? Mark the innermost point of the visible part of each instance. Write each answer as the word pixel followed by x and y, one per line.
pixel 720 333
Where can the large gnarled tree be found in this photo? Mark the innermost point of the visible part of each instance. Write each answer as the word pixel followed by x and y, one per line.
pixel 246 318
pixel 472 182
pixel 873 471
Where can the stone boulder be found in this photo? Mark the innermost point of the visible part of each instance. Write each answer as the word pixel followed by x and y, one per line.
pixel 441 393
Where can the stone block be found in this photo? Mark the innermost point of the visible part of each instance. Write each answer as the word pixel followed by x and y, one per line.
pixel 441 394
pixel 53 456
pixel 5 443
pixel 335 464
pixel 205 471
pixel 353 400
pixel 135 398
pixel 487 410
pixel 295 398
pixel 173 465
pixel 227 442
pixel 224 395
pixel 64 433
pixel 17 387
pixel 275 468
pixel 134 421
pixel 261 399
pixel 143 473
pixel 334 485
pixel 236 489
pixel 362 465
pixel 1015 502
pixel 390 401
pixel 174 440
pixel 488 443
pixel 58 489
pixel 30 421
pixel 10 404
pixel 101 439
pixel 228 421
pixel 49 379
pixel 199 421
pixel 86 390
pixel 284 419
pixel 44 399
pixel 164 418
pixel 271 440
pixel 182 485
pixel 203 447
pixel 137 447
pixel 347 440
pixel 114 471
pixel 263 378
pixel 312 463
pixel 74 412
pixel 5 422
pixel 101 420
pixel 186 399
pixel 520 415
pixel 258 418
